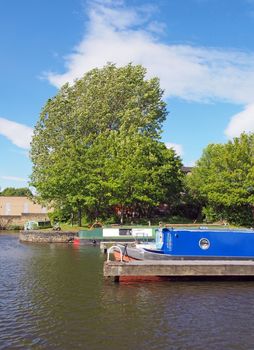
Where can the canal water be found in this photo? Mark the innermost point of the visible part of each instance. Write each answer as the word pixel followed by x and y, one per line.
pixel 53 296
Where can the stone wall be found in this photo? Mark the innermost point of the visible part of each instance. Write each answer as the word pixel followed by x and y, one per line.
pixel 46 237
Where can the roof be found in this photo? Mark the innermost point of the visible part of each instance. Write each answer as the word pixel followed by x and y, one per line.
pixel 187 169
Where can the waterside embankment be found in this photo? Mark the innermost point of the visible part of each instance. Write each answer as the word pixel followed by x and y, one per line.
pixel 46 237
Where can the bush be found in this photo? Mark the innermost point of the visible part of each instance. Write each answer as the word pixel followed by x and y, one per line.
pixel 210 215
pixel 235 215
pixel 241 216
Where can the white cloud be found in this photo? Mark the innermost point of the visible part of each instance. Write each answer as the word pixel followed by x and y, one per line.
pixel 19 134
pixel 177 147
pixel 241 122
pixel 14 178
pixel 120 35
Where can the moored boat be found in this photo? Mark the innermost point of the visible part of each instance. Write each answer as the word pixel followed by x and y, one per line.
pixel 193 244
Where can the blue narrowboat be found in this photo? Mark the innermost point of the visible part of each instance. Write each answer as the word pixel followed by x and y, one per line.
pixel 195 244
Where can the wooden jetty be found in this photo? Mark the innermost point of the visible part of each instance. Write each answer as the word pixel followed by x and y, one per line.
pixel 180 268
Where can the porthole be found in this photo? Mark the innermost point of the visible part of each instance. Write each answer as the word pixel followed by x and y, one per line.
pixel 204 243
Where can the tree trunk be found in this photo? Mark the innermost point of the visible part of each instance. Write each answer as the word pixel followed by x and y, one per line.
pixel 79 216
pixel 122 214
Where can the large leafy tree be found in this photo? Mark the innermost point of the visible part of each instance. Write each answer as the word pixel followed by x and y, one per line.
pixel 96 144
pixel 224 180
pixel 138 174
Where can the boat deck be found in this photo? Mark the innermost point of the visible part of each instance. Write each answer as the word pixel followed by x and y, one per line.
pixel 180 268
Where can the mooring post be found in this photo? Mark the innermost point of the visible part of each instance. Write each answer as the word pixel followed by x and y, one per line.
pixel 116 279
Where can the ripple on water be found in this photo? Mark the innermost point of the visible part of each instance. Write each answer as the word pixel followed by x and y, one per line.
pixel 54 297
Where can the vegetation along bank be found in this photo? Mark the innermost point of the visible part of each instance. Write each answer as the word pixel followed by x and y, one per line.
pixel 97 155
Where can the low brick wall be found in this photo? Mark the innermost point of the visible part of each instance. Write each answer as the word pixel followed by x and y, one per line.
pixel 46 237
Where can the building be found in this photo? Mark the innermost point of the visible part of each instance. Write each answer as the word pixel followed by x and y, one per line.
pixel 187 169
pixel 18 210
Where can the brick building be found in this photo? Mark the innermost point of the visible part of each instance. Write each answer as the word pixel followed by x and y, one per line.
pixel 18 210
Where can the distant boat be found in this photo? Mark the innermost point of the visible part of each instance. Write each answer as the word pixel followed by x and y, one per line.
pixel 192 244
pixel 36 225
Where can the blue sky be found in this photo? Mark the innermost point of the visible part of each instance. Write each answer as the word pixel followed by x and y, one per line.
pixel 202 51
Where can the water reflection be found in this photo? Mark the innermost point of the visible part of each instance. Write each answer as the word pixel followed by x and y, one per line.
pixel 188 315
pixel 54 297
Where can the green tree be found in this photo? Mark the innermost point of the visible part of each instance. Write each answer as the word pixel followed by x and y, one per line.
pixel 96 144
pixel 224 180
pixel 140 174
pixel 19 192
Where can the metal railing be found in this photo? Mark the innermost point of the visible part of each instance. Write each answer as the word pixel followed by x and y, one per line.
pixel 112 248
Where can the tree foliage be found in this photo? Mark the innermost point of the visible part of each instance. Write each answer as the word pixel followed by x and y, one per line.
pixel 224 180
pixel 96 145
pixel 19 192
